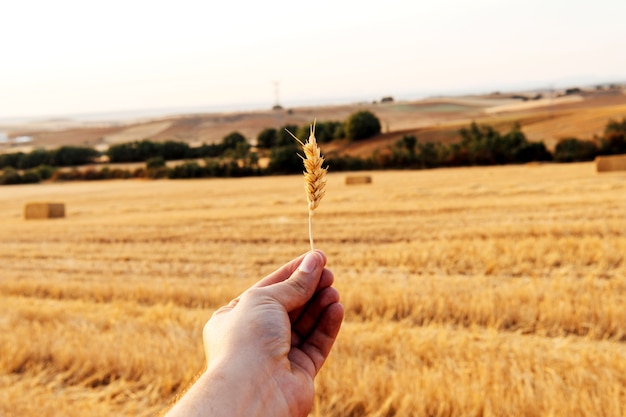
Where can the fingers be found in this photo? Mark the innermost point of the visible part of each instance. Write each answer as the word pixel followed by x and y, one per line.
pixel 315 349
pixel 326 280
pixel 286 270
pixel 281 275
pixel 310 316
pixel 319 343
pixel 295 291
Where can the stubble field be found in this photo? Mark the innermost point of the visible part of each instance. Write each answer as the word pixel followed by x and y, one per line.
pixel 468 292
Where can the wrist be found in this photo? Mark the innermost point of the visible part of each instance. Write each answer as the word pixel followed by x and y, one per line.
pixel 238 388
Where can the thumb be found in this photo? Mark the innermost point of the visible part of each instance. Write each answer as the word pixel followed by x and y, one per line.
pixel 298 289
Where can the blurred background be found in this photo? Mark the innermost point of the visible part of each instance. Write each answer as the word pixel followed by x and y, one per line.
pixel 70 57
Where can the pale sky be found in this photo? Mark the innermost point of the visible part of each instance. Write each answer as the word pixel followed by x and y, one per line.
pixel 74 56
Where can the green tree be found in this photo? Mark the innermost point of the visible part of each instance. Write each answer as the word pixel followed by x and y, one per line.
pixel 615 126
pixel 483 145
pixel 34 159
pixel 614 140
pixel 206 151
pixel 44 171
pixel 189 169
pixel 172 150
pixel 283 138
pixel 324 131
pixel 73 156
pixel 429 154
pixel 362 125
pixel 241 150
pixel 122 152
pixel 146 149
pixel 575 150
pixel 267 138
pixel 409 142
pixel 155 163
pixel 10 160
pixel 10 176
pixel 330 131
pixel 285 160
pixel 30 177
pixel 233 140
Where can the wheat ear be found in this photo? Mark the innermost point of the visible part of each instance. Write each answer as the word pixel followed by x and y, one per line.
pixel 314 175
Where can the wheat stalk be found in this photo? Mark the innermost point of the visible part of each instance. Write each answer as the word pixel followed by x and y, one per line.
pixel 314 175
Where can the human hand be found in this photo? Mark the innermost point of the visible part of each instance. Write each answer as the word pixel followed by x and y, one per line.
pixel 265 347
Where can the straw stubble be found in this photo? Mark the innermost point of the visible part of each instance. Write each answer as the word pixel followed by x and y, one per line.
pixel 314 175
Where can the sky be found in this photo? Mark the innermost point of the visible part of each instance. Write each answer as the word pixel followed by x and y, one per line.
pixel 66 57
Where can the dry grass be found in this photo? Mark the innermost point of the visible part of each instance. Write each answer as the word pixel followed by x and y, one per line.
pixel 468 292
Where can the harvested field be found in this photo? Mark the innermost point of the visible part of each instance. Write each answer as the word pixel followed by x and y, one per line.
pixel 468 292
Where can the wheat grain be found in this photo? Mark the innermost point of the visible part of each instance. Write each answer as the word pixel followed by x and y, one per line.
pixel 314 175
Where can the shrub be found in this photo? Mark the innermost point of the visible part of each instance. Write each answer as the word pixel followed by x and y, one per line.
pixel 614 140
pixel 483 145
pixel 30 177
pixel 10 176
pixel 171 150
pixel 285 160
pixel 324 131
pixel 575 150
pixel 533 151
pixel 234 140
pixel 34 159
pixel 156 173
pixel 339 130
pixel 429 154
pixel 613 143
pixel 206 151
pixel 44 171
pixel 409 142
pixel 349 163
pixel 283 138
pixel 327 131
pixel 362 125
pixel 92 174
pixel 72 156
pixel 155 163
pixel 189 169
pixel 73 175
pixel 10 160
pixel 134 151
pixel 139 173
pixel 117 173
pixel 239 152
pixel 614 126
pixel 123 152
pixel 267 138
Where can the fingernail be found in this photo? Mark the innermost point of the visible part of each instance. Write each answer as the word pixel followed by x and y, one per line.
pixel 309 263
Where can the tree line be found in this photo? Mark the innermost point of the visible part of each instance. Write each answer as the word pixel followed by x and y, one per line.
pixel 234 157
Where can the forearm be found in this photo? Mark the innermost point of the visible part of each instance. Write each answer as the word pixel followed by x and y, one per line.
pixel 226 391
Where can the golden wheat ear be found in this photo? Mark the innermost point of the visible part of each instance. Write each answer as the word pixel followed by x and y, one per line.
pixel 314 175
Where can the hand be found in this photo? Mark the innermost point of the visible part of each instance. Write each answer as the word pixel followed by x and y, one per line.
pixel 265 347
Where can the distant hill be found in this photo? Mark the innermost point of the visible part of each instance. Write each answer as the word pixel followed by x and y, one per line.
pixel 543 116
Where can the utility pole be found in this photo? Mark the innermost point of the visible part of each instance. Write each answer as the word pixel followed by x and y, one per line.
pixel 277 105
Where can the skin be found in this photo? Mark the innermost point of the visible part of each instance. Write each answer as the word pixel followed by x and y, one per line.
pixel 265 347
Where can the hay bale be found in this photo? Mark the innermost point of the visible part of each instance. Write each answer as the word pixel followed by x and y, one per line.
pixel 611 163
pixel 358 179
pixel 44 211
